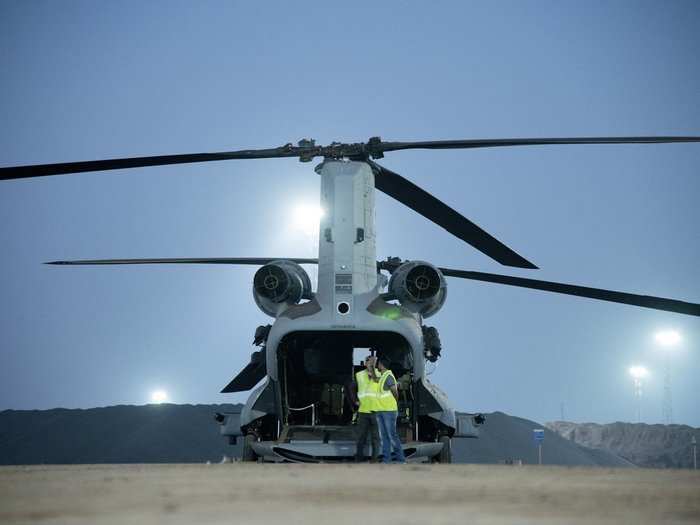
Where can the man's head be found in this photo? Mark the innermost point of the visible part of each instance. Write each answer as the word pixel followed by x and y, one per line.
pixel 383 364
pixel 370 361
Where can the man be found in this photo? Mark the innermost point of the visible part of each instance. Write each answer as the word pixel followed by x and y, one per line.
pixel 387 412
pixel 367 387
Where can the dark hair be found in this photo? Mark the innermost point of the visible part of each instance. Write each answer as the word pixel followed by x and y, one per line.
pixel 385 362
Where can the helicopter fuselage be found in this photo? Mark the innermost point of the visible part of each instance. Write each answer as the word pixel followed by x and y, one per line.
pixel 302 409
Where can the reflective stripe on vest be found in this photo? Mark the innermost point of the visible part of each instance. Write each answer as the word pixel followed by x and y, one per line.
pixel 367 391
pixel 386 402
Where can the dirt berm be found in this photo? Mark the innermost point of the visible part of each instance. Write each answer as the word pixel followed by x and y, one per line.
pixel 188 434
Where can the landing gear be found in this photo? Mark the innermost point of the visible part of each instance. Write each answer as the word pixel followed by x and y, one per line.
pixel 248 454
pixel 445 455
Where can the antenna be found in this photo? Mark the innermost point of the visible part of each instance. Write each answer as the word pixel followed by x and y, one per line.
pixel 667 339
pixel 638 374
pixel 667 409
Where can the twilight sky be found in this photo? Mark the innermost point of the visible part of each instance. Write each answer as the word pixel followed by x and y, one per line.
pixel 90 80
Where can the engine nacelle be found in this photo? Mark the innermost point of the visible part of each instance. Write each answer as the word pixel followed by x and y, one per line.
pixel 419 287
pixel 280 284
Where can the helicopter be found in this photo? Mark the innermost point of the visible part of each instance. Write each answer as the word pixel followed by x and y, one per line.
pixel 299 409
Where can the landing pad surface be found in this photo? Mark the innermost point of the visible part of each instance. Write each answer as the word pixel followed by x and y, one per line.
pixel 345 494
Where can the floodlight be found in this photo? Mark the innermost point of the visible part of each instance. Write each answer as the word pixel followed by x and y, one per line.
pixel 667 337
pixel 306 218
pixel 159 396
pixel 638 372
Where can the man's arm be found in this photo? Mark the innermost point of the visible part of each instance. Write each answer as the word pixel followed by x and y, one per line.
pixel 395 391
pixel 390 384
pixel 372 373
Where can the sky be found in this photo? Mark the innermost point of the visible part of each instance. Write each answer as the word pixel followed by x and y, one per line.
pixel 88 80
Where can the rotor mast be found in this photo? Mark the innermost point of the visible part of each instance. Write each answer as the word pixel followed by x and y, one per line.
pixel 347 251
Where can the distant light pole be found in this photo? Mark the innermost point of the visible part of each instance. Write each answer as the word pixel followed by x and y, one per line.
pixel 667 339
pixel 695 452
pixel 638 374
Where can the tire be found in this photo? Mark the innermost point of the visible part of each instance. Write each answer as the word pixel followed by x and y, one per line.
pixel 445 455
pixel 248 454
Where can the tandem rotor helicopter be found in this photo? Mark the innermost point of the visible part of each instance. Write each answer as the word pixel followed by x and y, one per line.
pixel 299 410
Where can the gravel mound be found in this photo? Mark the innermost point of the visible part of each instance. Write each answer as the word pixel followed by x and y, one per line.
pixel 119 434
pixel 661 446
pixel 505 438
pixel 188 434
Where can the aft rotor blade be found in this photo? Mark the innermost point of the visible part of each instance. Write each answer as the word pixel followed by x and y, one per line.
pixel 43 170
pixel 255 261
pixel 249 376
pixel 495 143
pixel 441 214
pixel 645 301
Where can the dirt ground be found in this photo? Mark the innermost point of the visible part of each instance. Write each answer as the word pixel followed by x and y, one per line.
pixel 343 494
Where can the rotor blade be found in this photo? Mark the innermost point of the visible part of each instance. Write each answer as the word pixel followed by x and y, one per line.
pixel 441 214
pixel 42 170
pixel 257 261
pixel 493 143
pixel 249 376
pixel 645 301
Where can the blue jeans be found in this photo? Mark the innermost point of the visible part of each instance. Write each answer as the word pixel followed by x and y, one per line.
pixel 390 438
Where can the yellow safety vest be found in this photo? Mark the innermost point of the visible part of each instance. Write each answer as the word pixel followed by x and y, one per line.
pixel 385 399
pixel 367 391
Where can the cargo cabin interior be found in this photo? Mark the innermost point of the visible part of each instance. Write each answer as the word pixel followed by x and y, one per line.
pixel 316 371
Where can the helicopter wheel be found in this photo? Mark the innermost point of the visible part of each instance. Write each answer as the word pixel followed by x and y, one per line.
pixel 445 455
pixel 248 454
